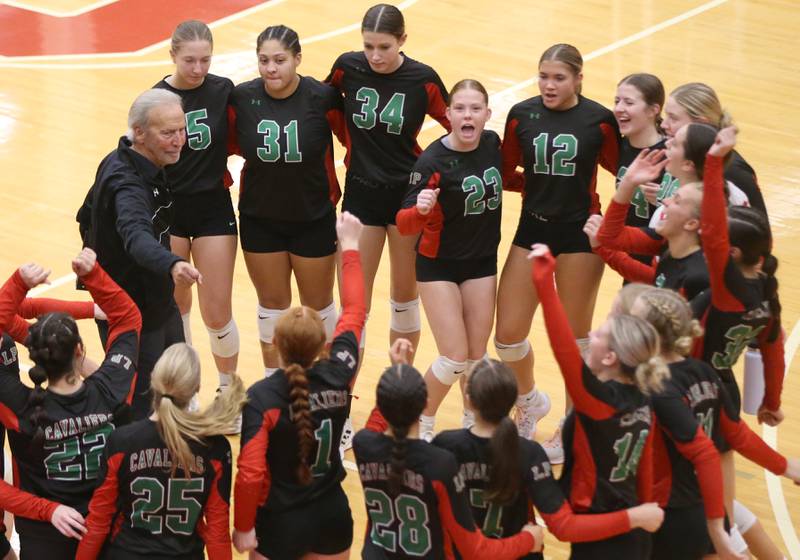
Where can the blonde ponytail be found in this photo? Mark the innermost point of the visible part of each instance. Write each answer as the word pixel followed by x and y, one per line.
pixel 650 375
pixel 636 344
pixel 670 314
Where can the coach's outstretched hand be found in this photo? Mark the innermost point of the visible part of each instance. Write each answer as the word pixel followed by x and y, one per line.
pixel 348 230
pixel 185 274
pixel 33 275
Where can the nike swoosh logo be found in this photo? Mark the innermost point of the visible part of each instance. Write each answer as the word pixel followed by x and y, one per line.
pixel 399 310
pixel 220 337
pixel 262 318
pixel 231 223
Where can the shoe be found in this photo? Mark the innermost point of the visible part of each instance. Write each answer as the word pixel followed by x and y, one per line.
pixel 346 442
pixel 528 414
pixel 426 424
pixel 554 447
pixel 236 426
pixel 467 419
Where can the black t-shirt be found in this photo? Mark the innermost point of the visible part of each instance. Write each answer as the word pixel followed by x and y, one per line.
pixel 384 114
pixel 687 275
pixel 287 145
pixel 203 163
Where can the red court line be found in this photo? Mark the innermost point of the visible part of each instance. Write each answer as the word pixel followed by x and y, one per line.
pixel 123 26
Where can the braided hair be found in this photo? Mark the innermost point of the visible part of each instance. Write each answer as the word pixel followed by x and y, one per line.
pixel 286 36
pixel 51 343
pixel 401 397
pixel 638 349
pixel 670 314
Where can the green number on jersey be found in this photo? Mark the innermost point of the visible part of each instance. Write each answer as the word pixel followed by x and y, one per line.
pixel 391 115
pixel 476 190
pixel 324 435
pixel 669 185
pixel 199 134
pixel 410 511
pixel 566 148
pixel 706 420
pixel 182 511
pixel 739 336
pixel 78 457
pixel 271 152
pixel 627 463
pixel 494 513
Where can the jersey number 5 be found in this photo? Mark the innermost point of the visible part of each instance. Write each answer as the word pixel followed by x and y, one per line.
pixel 198 134
pixel 410 511
pixel 391 115
pixel 476 190
pixel 565 148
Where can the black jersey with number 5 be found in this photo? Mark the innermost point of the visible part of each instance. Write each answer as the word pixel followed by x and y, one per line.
pixel 139 510
pixel 203 163
pixel 287 145
pixel 465 221
pixel 559 151
pixel 384 114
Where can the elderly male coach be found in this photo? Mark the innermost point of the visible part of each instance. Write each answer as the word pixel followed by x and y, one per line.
pixel 126 218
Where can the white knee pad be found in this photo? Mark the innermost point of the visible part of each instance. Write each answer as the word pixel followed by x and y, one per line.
pixel 446 370
pixel 404 316
pixel 512 352
pixel 225 341
pixel 471 363
pixel 267 318
pixel 186 320
pixel 743 517
pixel 329 317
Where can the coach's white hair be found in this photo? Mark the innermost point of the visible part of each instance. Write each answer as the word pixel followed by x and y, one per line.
pixel 139 114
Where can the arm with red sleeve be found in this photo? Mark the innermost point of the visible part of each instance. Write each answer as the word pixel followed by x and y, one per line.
pixel 32 308
pixel 457 521
pixel 253 479
pixel 437 101
pixel 680 424
pixel 772 354
pixel 626 266
pixel 577 378
pixel 215 532
pixel 103 505
pixel 614 234
pixel 513 179
pixel 23 504
pixel 123 315
pixel 609 150
pixel 12 294
pixel 409 220
pixel 565 524
pixel 344 347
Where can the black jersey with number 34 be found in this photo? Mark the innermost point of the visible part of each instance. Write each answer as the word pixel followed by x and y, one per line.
pixel 465 221
pixel 384 114
pixel 203 163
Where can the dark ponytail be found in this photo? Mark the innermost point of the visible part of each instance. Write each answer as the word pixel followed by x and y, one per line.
pixel 301 416
pixel 401 397
pixel 492 390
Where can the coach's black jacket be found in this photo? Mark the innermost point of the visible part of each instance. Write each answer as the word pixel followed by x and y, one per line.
pixel 125 219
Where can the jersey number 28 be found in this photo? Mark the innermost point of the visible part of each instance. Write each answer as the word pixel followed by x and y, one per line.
pixel 412 534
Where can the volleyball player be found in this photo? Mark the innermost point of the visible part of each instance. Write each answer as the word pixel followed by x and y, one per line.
pixel 608 437
pixel 283 124
pixel 165 481
pixel 58 435
pixel 505 473
pixel 386 97
pixel 698 102
pixel 288 496
pixel 558 137
pixel 204 225
pixel 416 498
pixel 454 199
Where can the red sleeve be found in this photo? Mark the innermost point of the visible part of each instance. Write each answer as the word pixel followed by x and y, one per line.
pixel 123 315
pixel 216 529
pixel 705 459
pixel 335 77
pixel 338 125
pixel 12 295
pixel 472 543
pixel 513 180
pixel 253 479
pixel 742 439
pixel 18 329
pixel 233 142
pixel 101 512
pixel 410 221
pixel 32 308
pixel 354 309
pixel 23 504
pixel 714 234
pixel 437 106
pixel 626 266
pixel 614 234
pixel 376 422
pixel 563 343
pixel 567 526
pixel 609 151
pixel 645 481
pixel 772 354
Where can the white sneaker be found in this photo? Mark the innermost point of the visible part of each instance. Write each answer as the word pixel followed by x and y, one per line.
pixel 236 426
pixel 467 419
pixel 535 409
pixel 554 448
pixel 347 437
pixel 426 424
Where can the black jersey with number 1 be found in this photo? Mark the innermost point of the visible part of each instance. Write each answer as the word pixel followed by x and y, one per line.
pixel 202 166
pixel 384 114
pixel 465 221
pixel 287 145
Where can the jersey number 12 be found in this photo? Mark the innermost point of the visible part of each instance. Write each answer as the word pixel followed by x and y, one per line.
pixel 560 161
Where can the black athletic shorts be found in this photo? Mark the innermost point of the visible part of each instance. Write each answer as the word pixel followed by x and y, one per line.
pixel 457 271
pixel 684 535
pixel 374 205
pixel 561 237
pixel 203 214
pixel 5 546
pixel 324 526
pixel 41 541
pixel 304 239
pixel 635 544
